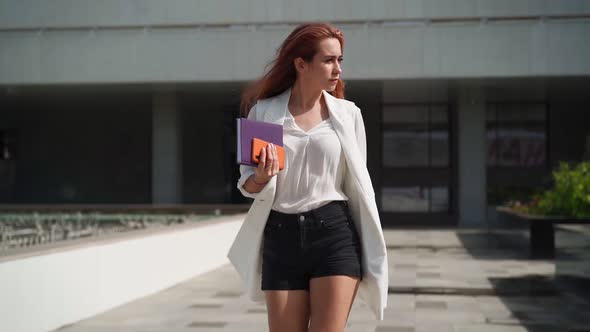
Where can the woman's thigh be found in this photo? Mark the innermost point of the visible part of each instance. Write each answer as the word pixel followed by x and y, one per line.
pixel 331 300
pixel 288 310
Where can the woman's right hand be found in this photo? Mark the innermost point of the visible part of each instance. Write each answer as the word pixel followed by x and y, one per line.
pixel 268 165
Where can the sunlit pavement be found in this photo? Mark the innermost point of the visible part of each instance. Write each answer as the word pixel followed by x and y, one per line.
pixel 440 280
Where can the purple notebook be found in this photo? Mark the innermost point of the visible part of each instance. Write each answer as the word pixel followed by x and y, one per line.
pixel 249 129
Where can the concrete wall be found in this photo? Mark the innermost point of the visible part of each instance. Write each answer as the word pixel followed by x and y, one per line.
pixel 472 155
pixel 138 53
pixel 166 148
pixel 26 13
pixel 65 286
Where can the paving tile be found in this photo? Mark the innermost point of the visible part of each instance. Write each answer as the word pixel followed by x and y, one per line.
pixel 439 305
pixel 227 294
pixel 394 329
pixel 210 325
pixel 433 327
pixel 405 266
pixel 449 316
pixel 489 328
pixel 206 306
pixel 427 275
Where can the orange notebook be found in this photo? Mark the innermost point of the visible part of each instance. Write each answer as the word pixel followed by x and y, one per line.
pixel 258 144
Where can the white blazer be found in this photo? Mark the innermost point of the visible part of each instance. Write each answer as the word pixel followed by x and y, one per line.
pixel 245 253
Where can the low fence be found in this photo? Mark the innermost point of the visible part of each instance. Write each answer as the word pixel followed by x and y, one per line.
pixel 23 227
pixel 27 230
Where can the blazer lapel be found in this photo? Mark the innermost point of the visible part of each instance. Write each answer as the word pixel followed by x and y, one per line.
pixel 277 108
pixel 346 132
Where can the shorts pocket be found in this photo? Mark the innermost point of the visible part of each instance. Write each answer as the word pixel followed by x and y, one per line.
pixel 336 221
pixel 272 228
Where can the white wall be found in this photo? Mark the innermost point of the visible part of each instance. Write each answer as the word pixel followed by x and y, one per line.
pixel 44 292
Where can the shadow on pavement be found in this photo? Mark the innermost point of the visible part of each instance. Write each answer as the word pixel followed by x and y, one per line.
pixel 536 302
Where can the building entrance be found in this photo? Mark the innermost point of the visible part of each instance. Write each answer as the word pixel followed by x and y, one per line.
pixel 417 186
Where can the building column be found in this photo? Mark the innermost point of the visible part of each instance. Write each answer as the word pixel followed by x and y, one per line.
pixel 166 149
pixel 472 157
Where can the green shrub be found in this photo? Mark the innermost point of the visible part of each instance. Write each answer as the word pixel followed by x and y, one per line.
pixel 570 195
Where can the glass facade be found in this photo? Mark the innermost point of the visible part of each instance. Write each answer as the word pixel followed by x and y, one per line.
pixel 517 150
pixel 416 159
pixel 516 135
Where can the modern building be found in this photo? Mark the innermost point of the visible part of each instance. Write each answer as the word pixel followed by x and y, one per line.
pixel 466 103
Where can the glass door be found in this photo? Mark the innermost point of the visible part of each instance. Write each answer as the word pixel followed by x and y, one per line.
pixel 417 179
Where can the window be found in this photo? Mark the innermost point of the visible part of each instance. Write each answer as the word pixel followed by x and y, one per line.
pixel 416 159
pixel 517 145
pixel 416 136
pixel 516 135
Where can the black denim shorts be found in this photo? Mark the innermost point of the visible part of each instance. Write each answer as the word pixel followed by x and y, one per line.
pixel 317 243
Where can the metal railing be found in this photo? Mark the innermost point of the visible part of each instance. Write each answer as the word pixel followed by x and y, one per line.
pixel 22 230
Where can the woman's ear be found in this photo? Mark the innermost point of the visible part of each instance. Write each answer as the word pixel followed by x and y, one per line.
pixel 299 64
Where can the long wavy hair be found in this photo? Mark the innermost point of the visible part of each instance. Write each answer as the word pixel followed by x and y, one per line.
pixel 302 42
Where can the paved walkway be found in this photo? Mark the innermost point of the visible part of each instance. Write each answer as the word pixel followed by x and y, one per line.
pixel 440 280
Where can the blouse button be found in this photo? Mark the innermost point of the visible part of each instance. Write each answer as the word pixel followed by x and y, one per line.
pixel 301 218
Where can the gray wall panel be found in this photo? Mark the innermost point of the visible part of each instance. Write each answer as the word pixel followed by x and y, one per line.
pixel 34 13
pixel 569 48
pixel 509 49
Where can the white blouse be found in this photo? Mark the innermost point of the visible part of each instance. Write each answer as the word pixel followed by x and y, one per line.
pixel 314 168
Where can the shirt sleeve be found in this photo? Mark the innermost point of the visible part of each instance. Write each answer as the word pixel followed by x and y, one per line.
pixel 245 170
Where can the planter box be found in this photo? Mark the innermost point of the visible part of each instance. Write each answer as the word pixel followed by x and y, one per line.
pixel 541 230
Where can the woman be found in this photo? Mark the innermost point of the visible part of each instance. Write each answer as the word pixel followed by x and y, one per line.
pixel 312 237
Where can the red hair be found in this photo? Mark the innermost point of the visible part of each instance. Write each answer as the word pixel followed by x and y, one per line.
pixel 302 42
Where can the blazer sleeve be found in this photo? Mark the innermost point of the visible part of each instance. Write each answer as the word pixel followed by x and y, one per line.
pixel 361 137
pixel 245 170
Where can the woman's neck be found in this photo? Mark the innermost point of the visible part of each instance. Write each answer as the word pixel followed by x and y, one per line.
pixel 303 98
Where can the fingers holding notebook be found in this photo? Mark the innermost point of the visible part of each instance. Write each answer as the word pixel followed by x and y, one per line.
pixel 275 159
pixel 268 165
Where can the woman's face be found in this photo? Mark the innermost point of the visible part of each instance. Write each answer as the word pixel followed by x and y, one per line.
pixel 324 69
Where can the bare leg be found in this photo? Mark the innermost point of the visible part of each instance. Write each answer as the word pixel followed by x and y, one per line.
pixel 331 301
pixel 288 310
